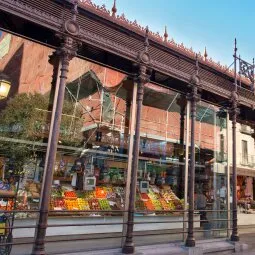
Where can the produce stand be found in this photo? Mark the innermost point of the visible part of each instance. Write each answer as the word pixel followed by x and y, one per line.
pixel 8 200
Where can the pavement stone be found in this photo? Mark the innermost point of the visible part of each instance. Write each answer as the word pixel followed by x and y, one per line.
pixel 203 247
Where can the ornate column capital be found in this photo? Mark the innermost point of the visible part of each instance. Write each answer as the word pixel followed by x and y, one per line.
pixel 195 85
pixel 142 68
pixel 69 35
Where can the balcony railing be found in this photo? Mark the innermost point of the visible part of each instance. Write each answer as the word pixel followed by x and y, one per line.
pixel 246 130
pixel 221 157
pixel 247 160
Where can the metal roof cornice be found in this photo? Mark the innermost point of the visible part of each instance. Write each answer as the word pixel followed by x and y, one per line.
pixel 133 26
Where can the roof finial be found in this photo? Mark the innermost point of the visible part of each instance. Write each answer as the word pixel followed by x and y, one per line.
pixel 205 54
pixel 165 35
pixel 114 9
pixel 75 10
pixel 235 63
pixel 146 42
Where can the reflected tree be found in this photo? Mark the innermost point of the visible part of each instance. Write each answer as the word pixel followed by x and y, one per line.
pixel 25 125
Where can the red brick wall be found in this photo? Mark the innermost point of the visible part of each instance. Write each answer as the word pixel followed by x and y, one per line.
pixel 27 65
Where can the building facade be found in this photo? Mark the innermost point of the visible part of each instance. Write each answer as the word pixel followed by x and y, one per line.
pixel 130 133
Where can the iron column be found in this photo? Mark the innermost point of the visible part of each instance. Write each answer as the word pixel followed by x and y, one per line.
pixel 181 101
pixel 64 53
pixel 141 78
pixel 193 97
pixel 234 111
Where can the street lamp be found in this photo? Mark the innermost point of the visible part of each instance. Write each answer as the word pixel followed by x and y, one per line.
pixel 5 86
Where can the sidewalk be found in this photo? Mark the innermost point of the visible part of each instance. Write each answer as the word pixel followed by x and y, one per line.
pixel 203 247
pixel 162 246
pixel 248 239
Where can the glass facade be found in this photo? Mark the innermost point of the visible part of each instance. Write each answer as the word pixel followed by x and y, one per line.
pixel 211 186
pixel 92 170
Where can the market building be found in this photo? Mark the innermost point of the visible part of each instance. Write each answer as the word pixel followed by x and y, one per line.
pixel 113 131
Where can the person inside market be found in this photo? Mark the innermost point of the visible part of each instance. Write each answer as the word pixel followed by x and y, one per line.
pixel 200 203
pixel 78 168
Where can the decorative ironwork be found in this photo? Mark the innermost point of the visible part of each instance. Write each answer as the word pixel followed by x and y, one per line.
pixel 246 69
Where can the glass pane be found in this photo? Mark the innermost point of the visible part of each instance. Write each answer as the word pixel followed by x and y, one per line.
pixel 24 127
pixel 211 171
pixel 161 172
pixel 92 160
pixel 245 173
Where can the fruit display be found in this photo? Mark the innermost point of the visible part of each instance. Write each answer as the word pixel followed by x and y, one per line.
pixel 149 206
pixel 171 206
pixel 104 204
pixel 59 203
pixel 166 195
pixel 51 204
pixel 100 192
pixel 70 194
pixel 89 194
pixel 57 192
pixel 108 189
pixel 71 204
pixel 139 205
pixel 80 194
pixel 158 200
pixel 144 196
pixel 7 206
pixel 94 204
pixel 157 205
pixel 164 204
pixel 119 191
pixel 153 195
pixel 111 197
pixel 83 204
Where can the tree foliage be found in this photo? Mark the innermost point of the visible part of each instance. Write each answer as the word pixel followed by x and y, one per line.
pixel 27 118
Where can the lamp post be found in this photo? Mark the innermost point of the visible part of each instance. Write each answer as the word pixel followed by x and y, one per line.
pixel 5 86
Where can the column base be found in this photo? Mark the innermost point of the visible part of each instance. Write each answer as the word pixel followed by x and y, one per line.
pixel 38 253
pixel 190 242
pixel 128 248
pixel 234 238
pixel 38 250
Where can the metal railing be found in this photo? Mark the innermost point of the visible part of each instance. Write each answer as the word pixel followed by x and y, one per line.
pixel 169 228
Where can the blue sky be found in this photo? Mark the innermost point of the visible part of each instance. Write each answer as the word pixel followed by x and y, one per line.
pixel 198 23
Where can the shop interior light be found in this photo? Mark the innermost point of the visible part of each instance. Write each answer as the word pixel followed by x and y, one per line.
pixel 5 86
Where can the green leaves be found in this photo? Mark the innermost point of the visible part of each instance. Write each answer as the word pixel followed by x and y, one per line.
pixel 25 125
